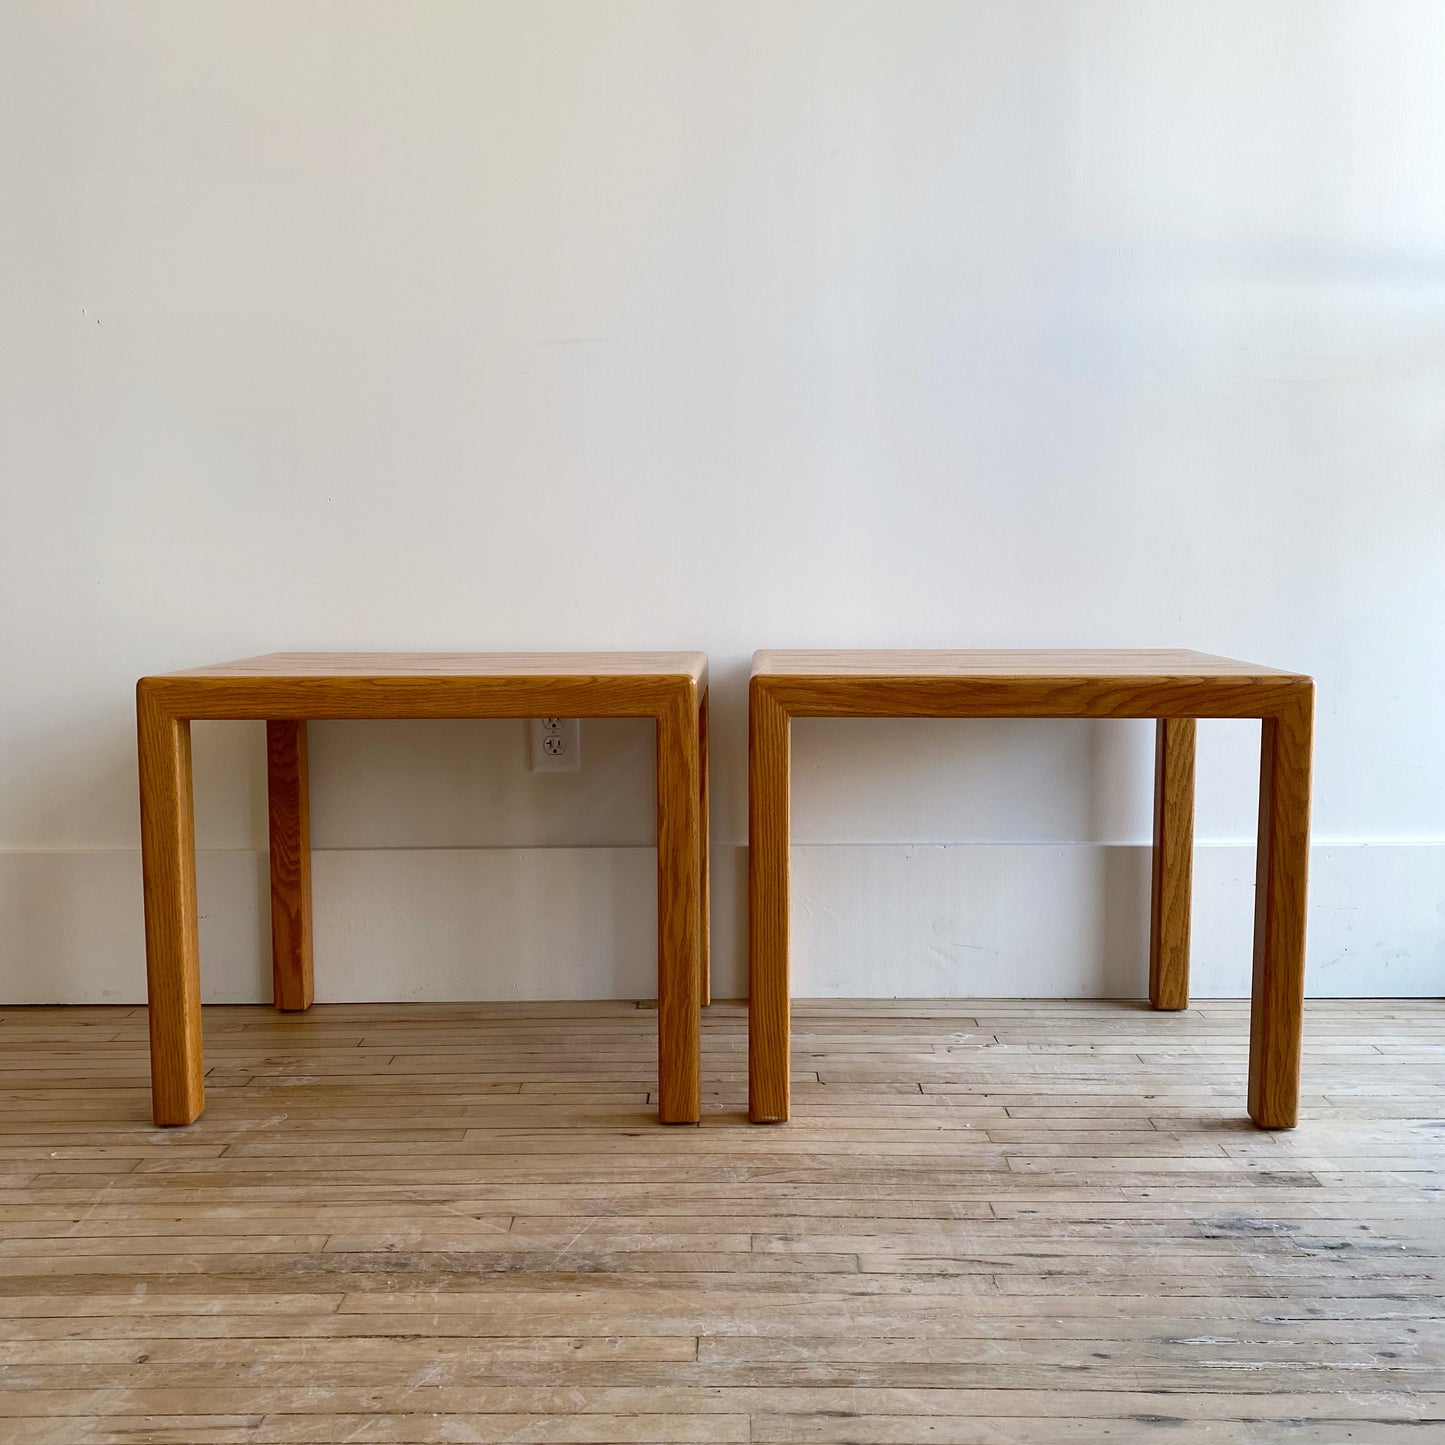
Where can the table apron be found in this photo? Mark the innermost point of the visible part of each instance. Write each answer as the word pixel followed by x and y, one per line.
pixel 1030 698
pixel 397 698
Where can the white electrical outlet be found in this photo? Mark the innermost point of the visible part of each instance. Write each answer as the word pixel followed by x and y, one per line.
pixel 555 745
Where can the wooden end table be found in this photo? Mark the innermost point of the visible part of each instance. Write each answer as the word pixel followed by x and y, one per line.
pixel 287 688
pixel 1174 687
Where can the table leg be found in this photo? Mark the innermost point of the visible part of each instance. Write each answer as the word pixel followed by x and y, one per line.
pixel 168 863
pixel 290 810
pixel 769 768
pixel 1173 862
pixel 679 910
pixel 1282 870
pixel 704 839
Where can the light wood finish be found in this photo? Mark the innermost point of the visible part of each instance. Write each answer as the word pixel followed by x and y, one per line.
pixel 1282 873
pixel 1174 686
pixel 1172 867
pixel 1115 683
pixel 168 866
pixel 704 844
pixel 431 684
pixel 679 910
pixel 991 1223
pixel 769 827
pixel 288 794
pixel 286 689
pixel 1099 664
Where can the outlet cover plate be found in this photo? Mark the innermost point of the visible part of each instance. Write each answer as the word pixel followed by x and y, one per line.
pixel 554 744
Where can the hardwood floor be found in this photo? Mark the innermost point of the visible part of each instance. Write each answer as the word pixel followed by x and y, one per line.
pixel 990 1222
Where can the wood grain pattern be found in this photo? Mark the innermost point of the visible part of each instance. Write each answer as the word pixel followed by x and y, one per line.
pixel 286 689
pixel 705 849
pixel 168 864
pixel 289 809
pixel 308 685
pixel 679 910
pixel 989 1223
pixel 1008 664
pixel 1174 686
pixel 503 666
pixel 1172 864
pixel 769 830
pixel 1281 887
pixel 1110 683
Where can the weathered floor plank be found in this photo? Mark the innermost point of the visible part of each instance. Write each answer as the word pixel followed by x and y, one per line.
pixel 990 1221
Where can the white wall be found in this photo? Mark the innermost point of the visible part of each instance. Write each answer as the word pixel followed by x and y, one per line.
pixel 497 325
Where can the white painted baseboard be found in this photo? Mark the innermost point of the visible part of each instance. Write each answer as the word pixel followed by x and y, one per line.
pixel 1072 920
pixel 888 920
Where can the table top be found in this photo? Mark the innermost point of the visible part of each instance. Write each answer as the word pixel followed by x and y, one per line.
pixel 456 664
pixel 1026 662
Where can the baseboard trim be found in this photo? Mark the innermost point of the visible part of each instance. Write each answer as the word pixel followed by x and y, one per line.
pixel 872 920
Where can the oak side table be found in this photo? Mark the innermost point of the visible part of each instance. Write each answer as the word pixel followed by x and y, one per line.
pixel 1174 687
pixel 285 689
